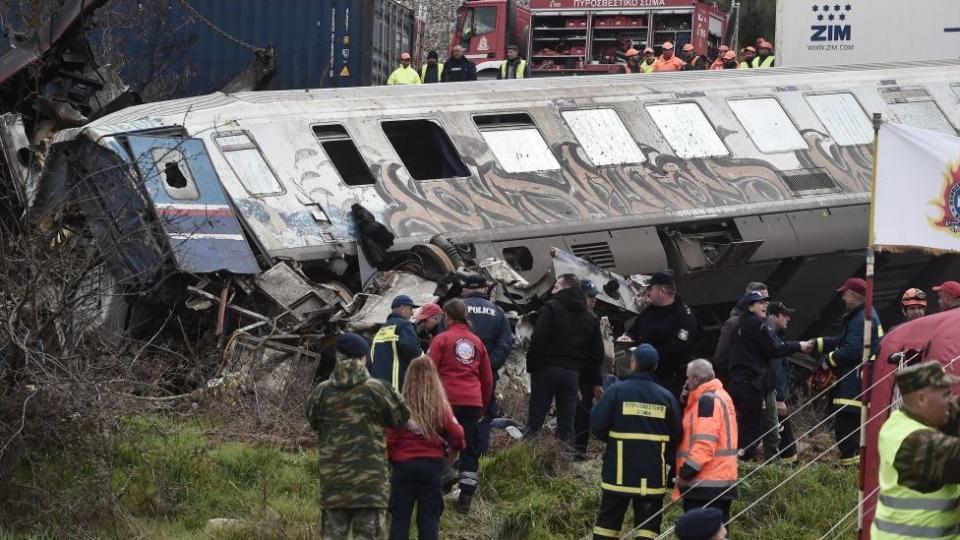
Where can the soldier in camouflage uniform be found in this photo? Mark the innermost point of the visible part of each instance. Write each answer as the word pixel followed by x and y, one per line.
pixel 350 412
pixel 920 459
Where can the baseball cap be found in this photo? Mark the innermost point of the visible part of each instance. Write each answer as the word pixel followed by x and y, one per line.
pixel 729 55
pixel 428 310
pixel 662 278
pixel 474 281
pixel 405 56
pixel 352 345
pixel 924 375
pixel 777 308
pixel 749 48
pixel 647 50
pixel 402 300
pixel 950 288
pixel 631 52
pixel 854 284
pixel 667 45
pixel 646 355
pixel 699 524
pixel 753 297
pixel 432 54
pixel 688 47
pixel 589 288
pixel 913 297
pixel 723 48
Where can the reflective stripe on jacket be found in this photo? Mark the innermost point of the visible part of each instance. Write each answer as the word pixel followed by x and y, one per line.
pixel 903 513
pixel 846 354
pixel 519 72
pixel 393 347
pixel 709 444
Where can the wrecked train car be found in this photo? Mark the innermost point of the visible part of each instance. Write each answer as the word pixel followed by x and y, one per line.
pixel 726 177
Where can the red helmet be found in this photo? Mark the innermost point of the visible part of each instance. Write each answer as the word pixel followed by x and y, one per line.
pixel 914 297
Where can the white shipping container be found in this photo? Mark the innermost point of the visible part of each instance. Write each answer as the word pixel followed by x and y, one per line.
pixel 822 33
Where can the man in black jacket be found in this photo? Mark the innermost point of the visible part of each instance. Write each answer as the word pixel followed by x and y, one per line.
pixel 565 340
pixel 721 358
pixel 671 327
pixel 458 67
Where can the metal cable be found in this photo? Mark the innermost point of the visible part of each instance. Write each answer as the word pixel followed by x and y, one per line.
pixel 845 517
pixel 219 31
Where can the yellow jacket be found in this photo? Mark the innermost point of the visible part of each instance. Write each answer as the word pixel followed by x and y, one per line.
pixel 404 75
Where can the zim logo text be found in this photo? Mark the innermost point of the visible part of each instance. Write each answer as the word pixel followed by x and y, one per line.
pixel 829 23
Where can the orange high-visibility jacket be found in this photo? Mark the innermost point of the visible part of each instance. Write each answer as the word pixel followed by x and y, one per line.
pixel 707 455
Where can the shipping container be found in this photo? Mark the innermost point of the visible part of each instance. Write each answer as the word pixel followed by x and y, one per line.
pixel 814 33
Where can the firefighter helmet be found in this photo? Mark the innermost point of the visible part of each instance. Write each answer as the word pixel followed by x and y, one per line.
pixel 914 297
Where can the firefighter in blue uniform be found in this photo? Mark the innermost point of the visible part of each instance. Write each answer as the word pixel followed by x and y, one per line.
pixel 844 355
pixel 640 422
pixel 396 344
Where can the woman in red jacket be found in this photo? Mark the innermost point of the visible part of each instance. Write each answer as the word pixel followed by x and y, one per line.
pixel 417 452
pixel 465 372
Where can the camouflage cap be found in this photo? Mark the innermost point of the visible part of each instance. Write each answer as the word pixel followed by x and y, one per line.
pixel 924 375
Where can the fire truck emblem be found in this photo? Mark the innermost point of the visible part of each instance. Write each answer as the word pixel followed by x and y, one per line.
pixel 950 204
pixel 483 46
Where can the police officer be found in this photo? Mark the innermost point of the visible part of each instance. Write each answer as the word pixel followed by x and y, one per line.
pixel 396 343
pixel 920 459
pixel 844 355
pixel 669 325
pixel 640 421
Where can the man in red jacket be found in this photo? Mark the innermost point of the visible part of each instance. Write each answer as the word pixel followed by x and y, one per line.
pixel 465 372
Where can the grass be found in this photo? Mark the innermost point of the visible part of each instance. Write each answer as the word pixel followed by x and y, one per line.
pixel 167 479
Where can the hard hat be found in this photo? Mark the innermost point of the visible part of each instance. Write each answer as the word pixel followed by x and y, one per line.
pixel 631 52
pixel 405 56
pixel 647 50
pixel 749 48
pixel 729 55
pixel 723 49
pixel 688 47
pixel 914 297
pixel 667 45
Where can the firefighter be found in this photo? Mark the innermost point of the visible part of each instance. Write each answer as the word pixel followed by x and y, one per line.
pixel 513 67
pixel 718 61
pixel 920 459
pixel 432 71
pixel 640 422
pixel 649 61
pixel 844 356
pixel 396 343
pixel 746 57
pixel 913 304
pixel 692 60
pixel 948 295
pixel 458 67
pixel 404 74
pixel 707 454
pixel 633 62
pixel 764 58
pixel 667 61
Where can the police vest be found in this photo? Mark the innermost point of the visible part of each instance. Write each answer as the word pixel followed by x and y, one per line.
pixel 767 62
pixel 521 68
pixel 646 68
pixel 903 513
pixel 387 337
pixel 423 72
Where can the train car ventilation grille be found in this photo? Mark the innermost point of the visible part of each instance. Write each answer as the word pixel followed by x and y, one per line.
pixel 597 253
pixel 809 182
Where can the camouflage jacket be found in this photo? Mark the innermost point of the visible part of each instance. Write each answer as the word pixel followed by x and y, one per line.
pixel 928 459
pixel 350 412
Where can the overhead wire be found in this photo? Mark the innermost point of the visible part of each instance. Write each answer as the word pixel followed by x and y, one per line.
pixel 844 519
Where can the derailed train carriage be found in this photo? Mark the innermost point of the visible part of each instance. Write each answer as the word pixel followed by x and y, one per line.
pixel 725 177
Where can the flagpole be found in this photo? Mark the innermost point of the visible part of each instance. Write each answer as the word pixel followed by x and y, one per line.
pixel 865 381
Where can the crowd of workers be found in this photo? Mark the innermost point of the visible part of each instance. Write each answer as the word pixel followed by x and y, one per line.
pixel 631 60
pixel 422 397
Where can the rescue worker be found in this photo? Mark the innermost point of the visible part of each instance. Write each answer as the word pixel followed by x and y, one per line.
pixel 764 58
pixel 920 459
pixel 427 323
pixel 591 386
pixel 707 454
pixel 432 71
pixel 844 356
pixel 746 57
pixel 404 74
pixel 350 412
pixel 649 61
pixel 667 61
pixel 692 60
pixel 464 368
pixel 778 316
pixel 948 295
pixel 701 524
pixel 491 325
pixel 669 325
pixel 566 340
pixel 633 62
pixel 513 67
pixel 730 60
pixel 752 376
pixel 728 332
pixel 913 304
pixel 396 343
pixel 718 61
pixel 458 67
pixel 640 422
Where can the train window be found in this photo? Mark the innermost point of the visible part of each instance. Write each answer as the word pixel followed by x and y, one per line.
pixel 843 117
pixel 914 107
pixel 425 149
pixel 175 175
pixel 768 124
pixel 516 143
pixel 603 137
pixel 344 155
pixel 687 130
pixel 247 162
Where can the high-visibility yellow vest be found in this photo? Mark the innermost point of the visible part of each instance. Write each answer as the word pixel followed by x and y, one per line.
pixel 388 334
pixel 903 513
pixel 646 68
pixel 767 62
pixel 521 69
pixel 404 75
pixel 423 72
pixel 744 65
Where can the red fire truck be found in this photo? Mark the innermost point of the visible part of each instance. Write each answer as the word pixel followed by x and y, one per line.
pixel 560 37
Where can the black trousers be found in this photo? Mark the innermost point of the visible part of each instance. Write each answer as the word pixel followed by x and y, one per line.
pixel 613 506
pixel 788 446
pixel 469 418
pixel 844 424
pixel 547 384
pixel 416 482
pixel 581 419
pixel 488 416
pixel 723 505
pixel 748 402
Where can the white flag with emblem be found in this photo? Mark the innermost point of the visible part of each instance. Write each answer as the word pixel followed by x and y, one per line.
pixel 917 192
